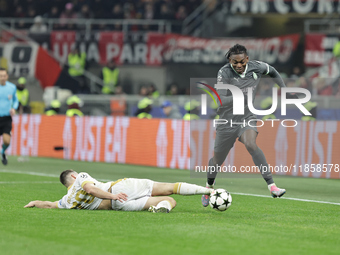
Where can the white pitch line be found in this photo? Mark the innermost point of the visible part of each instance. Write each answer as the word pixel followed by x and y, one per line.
pixel 37 174
pixel 23 182
pixel 236 193
pixel 29 173
pixel 288 198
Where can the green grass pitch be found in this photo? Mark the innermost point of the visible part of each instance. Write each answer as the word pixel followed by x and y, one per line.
pixel 252 225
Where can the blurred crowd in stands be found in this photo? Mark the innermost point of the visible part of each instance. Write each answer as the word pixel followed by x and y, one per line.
pixel 98 9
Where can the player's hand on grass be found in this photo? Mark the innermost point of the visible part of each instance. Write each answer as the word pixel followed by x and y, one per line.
pixel 30 204
pixel 120 197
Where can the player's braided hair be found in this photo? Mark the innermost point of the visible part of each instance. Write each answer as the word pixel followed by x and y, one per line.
pixel 63 176
pixel 236 49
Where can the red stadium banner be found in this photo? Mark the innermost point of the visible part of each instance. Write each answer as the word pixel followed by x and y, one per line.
pixel 310 149
pixel 157 49
pixel 131 48
pixel 319 49
pixel 110 46
pixel 61 43
pixel 185 49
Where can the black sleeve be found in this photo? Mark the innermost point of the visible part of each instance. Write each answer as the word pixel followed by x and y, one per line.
pixel 276 76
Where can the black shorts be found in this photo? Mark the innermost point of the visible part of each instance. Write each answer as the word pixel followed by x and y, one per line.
pixel 5 125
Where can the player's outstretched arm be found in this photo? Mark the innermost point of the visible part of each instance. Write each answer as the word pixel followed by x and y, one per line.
pixel 279 81
pixel 97 192
pixel 276 76
pixel 42 204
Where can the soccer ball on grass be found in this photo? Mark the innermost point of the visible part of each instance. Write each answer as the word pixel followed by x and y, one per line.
pixel 220 200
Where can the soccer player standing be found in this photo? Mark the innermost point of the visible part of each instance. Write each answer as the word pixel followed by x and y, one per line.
pixel 244 74
pixel 8 104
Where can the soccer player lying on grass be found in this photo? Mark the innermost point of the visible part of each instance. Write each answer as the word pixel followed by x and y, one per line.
pixel 129 194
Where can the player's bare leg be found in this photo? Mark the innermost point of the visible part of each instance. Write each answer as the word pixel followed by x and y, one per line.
pixel 248 138
pixel 217 160
pixel 160 204
pixel 6 138
pixel 180 188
